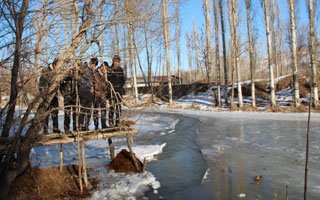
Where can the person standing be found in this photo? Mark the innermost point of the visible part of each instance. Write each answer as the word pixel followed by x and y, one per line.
pixel 101 90
pixel 68 90
pixel 46 80
pixel 117 80
pixel 86 92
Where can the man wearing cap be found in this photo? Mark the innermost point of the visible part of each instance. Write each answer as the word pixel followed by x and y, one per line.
pixel 46 80
pixel 117 80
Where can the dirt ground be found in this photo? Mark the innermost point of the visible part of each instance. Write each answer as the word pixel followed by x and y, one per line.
pixel 49 183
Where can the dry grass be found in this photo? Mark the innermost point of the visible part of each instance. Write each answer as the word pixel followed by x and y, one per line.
pixel 50 183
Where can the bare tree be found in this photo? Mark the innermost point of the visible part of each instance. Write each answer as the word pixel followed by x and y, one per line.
pixel 313 52
pixel 189 57
pixel 165 25
pixel 293 45
pixel 208 53
pixel 17 24
pixel 266 6
pixel 233 22
pixel 130 10
pixel 177 36
pixel 195 50
pixel 116 46
pixel 216 32
pixel 274 33
pixel 224 53
pixel 251 53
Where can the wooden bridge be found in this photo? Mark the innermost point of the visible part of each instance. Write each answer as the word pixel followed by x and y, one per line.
pixel 80 137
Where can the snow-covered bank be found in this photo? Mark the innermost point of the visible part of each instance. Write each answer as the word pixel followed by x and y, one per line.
pixel 114 185
pixel 239 114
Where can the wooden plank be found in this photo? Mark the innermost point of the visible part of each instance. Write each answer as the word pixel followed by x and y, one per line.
pixel 92 135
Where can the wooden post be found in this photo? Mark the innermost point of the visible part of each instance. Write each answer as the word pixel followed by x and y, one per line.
pixel 61 158
pixel 111 149
pixel 84 164
pixel 79 165
pixel 129 141
pixel 144 165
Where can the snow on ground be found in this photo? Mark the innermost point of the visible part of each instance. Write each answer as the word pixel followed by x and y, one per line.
pixel 113 185
pixel 132 186
pixel 206 100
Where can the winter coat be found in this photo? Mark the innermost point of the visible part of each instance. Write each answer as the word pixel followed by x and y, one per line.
pixel 46 79
pixel 68 85
pixel 101 87
pixel 86 82
pixel 117 79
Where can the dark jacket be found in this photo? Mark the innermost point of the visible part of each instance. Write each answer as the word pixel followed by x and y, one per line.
pixel 68 85
pixel 87 81
pixel 117 79
pixel 46 79
pixel 101 86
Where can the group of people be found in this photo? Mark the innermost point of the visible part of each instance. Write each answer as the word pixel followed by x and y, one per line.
pixel 89 86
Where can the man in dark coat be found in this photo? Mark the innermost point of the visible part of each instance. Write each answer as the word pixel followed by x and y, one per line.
pixel 117 80
pixel 86 92
pixel 101 89
pixel 46 80
pixel 68 90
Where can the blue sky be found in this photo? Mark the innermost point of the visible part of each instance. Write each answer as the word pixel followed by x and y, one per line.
pixel 191 10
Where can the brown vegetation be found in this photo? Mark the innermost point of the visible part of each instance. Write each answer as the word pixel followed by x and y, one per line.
pixel 123 163
pixel 50 183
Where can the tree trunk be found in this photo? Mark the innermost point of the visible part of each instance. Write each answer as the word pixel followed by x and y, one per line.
pixel 224 54
pixel 165 25
pixel 313 53
pixel 266 5
pixel 189 57
pixel 116 34
pixel 177 34
pixel 251 53
pixel 208 59
pixel 19 27
pixel 131 48
pixel 148 59
pixel 232 48
pixel 274 35
pixel 293 45
pixel 233 12
pixel 216 32
pixel 237 47
pixel 194 40
pixel 136 55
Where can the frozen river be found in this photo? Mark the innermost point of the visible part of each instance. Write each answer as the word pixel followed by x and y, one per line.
pixel 239 146
pixel 208 155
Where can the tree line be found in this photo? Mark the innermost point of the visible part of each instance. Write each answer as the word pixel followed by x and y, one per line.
pixel 235 51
